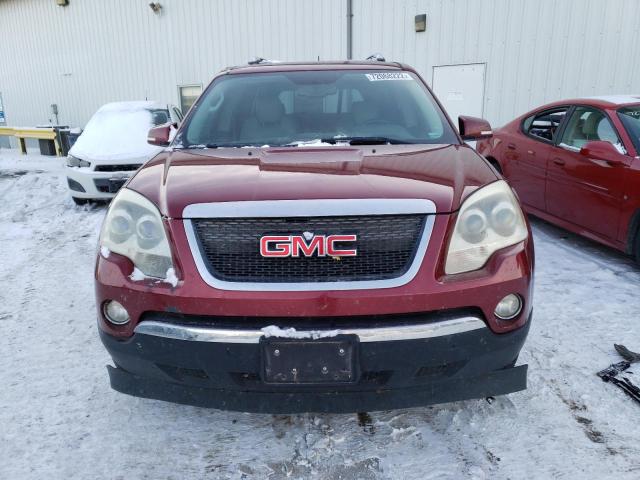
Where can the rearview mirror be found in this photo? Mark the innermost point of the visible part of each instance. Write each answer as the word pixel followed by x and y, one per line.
pixel 601 150
pixel 472 128
pixel 161 135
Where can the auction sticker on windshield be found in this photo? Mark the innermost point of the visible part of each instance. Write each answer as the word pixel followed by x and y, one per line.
pixel 375 77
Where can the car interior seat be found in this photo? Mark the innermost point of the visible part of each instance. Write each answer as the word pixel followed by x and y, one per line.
pixel 581 130
pixel 598 127
pixel 267 121
pixel 364 112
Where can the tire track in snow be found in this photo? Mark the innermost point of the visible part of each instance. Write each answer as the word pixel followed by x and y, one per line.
pixel 57 410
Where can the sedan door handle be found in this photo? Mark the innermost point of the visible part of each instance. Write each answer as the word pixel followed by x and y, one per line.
pixel 559 161
pixel 511 146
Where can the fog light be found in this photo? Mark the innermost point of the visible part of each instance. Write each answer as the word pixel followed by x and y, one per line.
pixel 509 307
pixel 75 186
pixel 116 313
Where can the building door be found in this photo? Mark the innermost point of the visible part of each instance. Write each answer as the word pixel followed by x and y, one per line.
pixel 460 89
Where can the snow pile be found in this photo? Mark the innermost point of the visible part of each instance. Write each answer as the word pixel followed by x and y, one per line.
pixel 274 331
pixel 137 275
pixel 118 132
pixel 170 277
pixel 312 143
pixel 57 409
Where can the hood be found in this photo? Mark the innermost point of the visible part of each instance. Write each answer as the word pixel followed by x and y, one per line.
pixel 118 132
pixel 444 174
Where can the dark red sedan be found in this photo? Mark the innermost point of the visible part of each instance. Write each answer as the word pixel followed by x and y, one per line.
pixel 575 163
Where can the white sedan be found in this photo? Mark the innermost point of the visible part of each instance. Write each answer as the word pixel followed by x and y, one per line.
pixel 113 146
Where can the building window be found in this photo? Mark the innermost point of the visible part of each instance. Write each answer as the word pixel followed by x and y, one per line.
pixel 188 95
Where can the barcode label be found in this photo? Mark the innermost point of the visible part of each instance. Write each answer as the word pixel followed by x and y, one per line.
pixel 376 77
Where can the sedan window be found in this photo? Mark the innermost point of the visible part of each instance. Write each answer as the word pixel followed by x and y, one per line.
pixel 589 124
pixel 630 118
pixel 543 126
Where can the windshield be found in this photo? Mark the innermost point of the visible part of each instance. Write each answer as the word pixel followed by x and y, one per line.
pixel 291 108
pixel 159 116
pixel 630 118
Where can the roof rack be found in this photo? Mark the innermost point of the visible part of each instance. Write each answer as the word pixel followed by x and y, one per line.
pixel 376 57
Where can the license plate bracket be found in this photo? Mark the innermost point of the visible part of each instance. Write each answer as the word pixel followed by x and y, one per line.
pixel 322 361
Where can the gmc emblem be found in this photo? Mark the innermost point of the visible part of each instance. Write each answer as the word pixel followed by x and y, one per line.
pixel 306 245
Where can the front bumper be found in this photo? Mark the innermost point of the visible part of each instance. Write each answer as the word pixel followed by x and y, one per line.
pixel 93 183
pixel 451 358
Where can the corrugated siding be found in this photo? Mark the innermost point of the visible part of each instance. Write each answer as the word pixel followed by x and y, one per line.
pixel 95 51
pixel 535 51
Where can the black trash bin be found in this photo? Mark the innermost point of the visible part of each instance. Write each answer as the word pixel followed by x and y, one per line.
pixel 47 147
pixel 67 138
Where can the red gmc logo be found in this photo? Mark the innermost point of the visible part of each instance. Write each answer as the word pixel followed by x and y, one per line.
pixel 306 245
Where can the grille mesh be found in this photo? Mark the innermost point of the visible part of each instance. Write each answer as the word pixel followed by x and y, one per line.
pixel 117 168
pixel 386 247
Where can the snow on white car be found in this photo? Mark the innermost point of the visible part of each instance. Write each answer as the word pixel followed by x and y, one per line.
pixel 113 146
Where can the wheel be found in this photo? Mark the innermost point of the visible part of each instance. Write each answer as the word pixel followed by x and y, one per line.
pixel 81 201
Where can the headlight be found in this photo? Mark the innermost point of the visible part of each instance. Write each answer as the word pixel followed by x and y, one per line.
pixel 133 228
pixel 490 219
pixel 76 162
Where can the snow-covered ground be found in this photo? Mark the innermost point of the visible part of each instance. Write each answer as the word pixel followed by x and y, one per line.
pixel 60 419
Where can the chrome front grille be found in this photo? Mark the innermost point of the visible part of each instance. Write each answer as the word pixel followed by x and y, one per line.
pixel 392 239
pixel 386 245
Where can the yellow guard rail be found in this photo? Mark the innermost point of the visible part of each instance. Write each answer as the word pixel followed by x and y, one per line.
pixel 22 133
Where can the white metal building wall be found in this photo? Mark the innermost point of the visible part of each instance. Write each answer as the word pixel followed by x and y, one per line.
pixel 536 51
pixel 95 51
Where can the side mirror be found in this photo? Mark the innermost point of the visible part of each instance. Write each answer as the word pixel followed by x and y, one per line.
pixel 601 150
pixel 161 135
pixel 472 128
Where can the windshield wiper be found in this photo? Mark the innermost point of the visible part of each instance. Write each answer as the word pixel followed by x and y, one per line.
pixel 222 145
pixel 365 140
pixel 355 140
pixel 200 146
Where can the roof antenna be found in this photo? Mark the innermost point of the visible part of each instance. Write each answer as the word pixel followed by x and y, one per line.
pixel 256 61
pixel 376 57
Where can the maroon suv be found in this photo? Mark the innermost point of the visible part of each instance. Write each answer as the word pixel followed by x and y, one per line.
pixel 316 237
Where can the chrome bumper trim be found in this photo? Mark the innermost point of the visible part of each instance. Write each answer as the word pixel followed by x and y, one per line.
pixel 309 208
pixel 381 334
